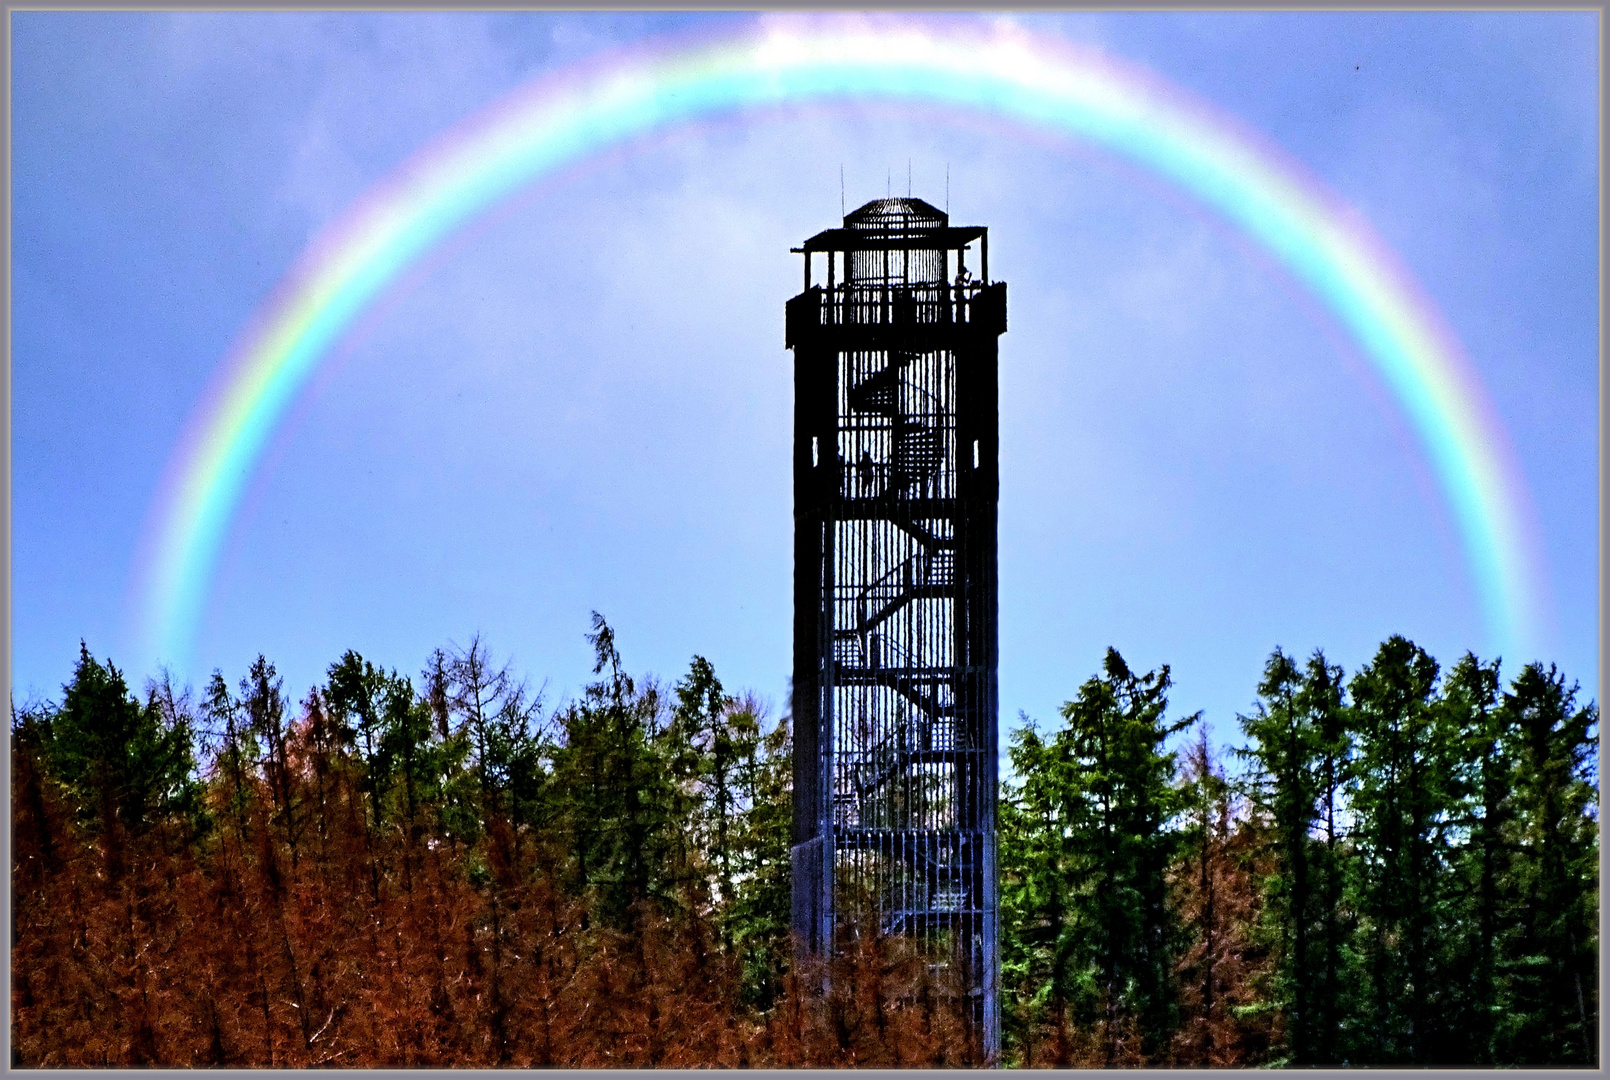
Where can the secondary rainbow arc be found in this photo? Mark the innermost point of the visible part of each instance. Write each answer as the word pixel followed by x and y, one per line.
pixel 561 120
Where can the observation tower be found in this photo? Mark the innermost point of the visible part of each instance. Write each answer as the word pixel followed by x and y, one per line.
pixel 895 612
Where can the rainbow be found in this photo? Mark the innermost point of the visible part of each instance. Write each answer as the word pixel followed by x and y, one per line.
pixel 997 69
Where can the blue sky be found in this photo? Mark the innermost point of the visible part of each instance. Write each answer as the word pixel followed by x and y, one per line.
pixel 585 403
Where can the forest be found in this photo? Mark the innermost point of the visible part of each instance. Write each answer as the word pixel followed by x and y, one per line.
pixel 1396 866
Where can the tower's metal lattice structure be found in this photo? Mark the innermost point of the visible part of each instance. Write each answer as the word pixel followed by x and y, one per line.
pixel 895 625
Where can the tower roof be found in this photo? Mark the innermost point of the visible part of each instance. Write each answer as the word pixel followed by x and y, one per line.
pixel 896 215
pixel 894 224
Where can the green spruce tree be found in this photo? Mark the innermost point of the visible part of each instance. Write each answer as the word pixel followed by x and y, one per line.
pixel 1551 956
pixel 1089 838
pixel 1407 781
pixel 127 764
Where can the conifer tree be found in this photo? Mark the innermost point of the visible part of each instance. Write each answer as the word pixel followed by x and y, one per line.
pixel 614 799
pixel 1299 757
pixel 758 921
pixel 233 751
pixel 1222 1024
pixel 1321 698
pixel 1483 908
pixel 1552 1018
pixel 266 714
pixel 1284 786
pixel 711 740
pixel 1093 820
pixel 1405 782
pixel 411 755
pixel 127 763
pixel 1207 812
pixel 357 695
pixel 498 719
